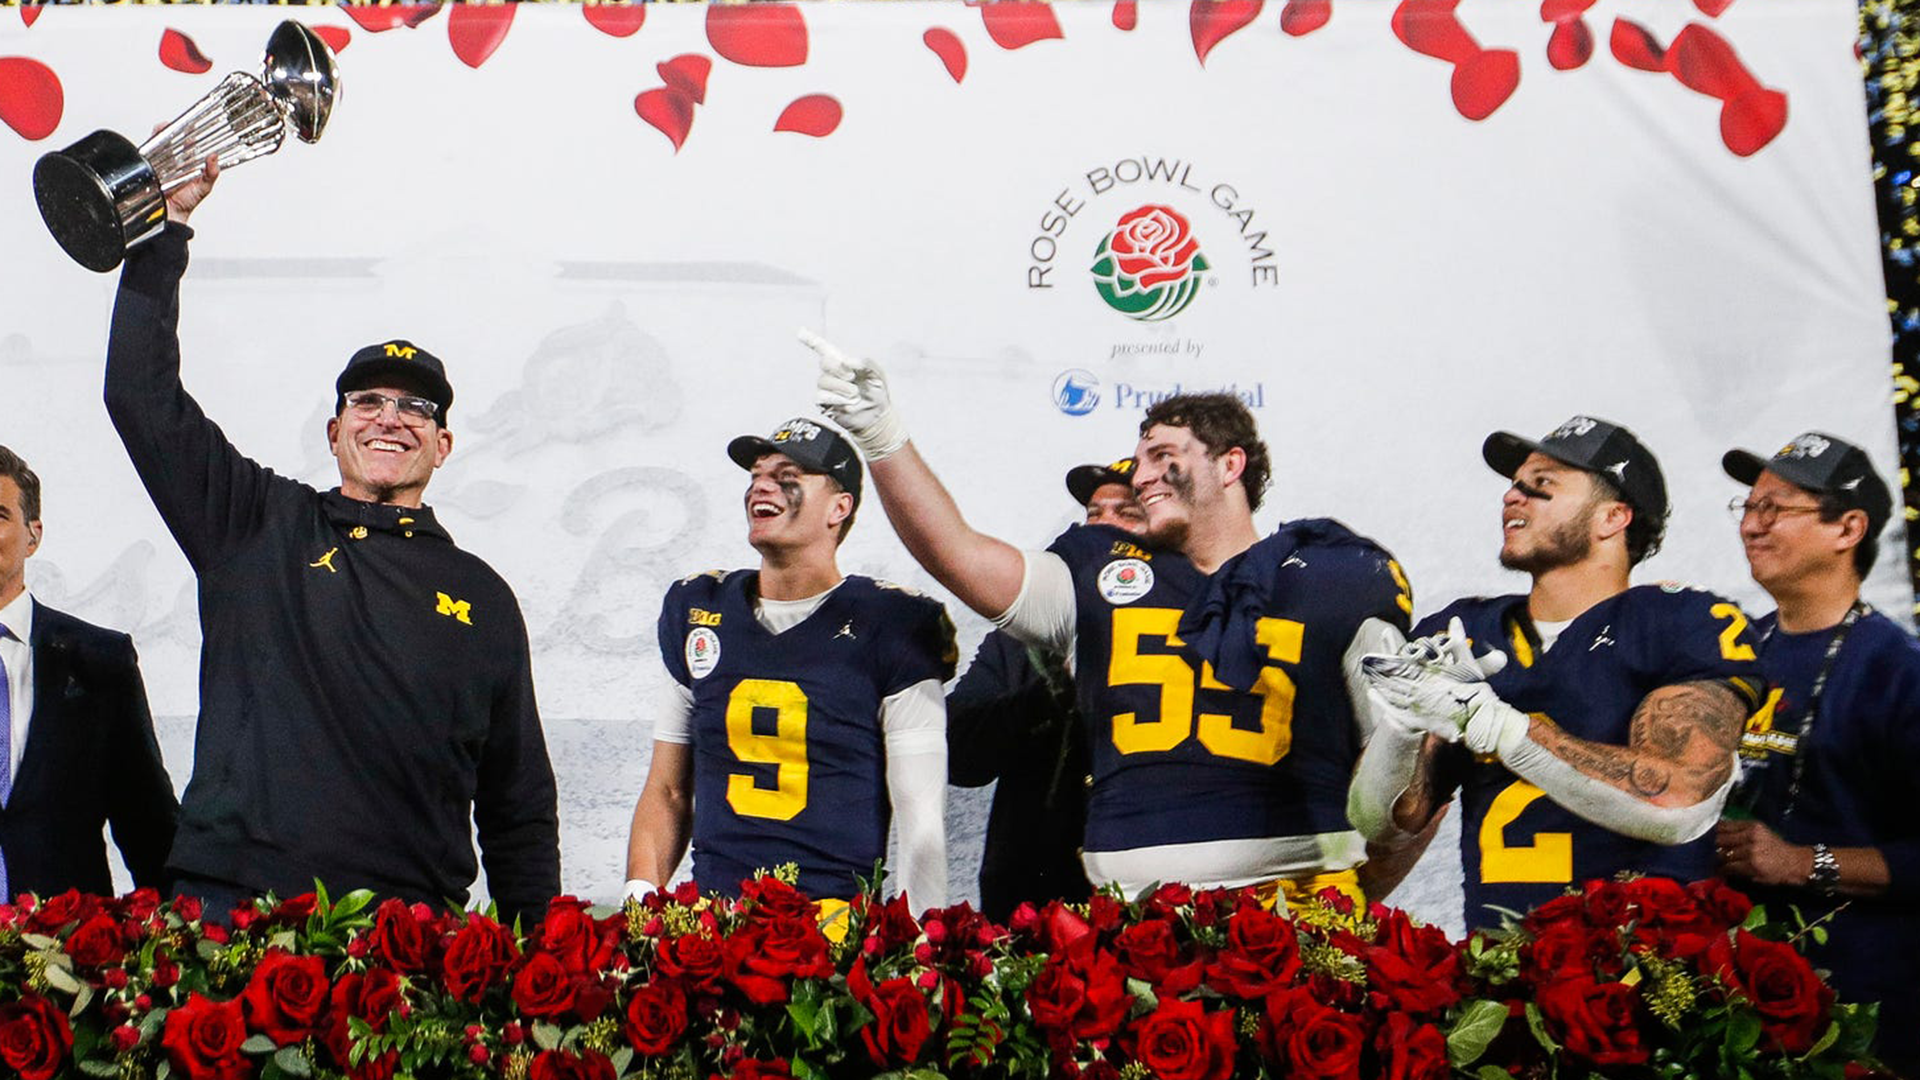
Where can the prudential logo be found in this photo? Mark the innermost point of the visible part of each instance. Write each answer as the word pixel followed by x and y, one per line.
pixel 1076 392
pixel 1149 267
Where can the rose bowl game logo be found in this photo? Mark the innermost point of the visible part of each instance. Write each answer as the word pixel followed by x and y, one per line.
pixel 1149 267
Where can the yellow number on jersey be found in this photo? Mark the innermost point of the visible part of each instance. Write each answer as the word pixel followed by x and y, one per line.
pixel 785 749
pixel 1731 646
pixel 1282 638
pixel 1548 858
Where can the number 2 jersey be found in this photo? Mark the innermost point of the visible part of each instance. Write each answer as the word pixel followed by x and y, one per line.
pixel 789 757
pixel 1184 764
pixel 1518 847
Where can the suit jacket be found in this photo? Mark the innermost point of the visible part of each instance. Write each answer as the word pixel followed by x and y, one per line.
pixel 90 759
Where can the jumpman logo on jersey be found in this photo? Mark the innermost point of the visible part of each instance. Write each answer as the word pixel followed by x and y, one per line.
pixel 846 631
pixel 1602 639
pixel 327 561
pixel 1293 560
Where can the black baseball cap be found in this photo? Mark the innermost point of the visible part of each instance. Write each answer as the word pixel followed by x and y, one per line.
pixel 1084 480
pixel 396 362
pixel 812 445
pixel 1825 465
pixel 1597 446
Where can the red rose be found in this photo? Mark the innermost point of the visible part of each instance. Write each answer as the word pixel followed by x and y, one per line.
pixel 1262 954
pixel 1056 997
pixel 580 942
pixel 1181 1040
pixel 892 922
pixel 1780 984
pixel 1150 950
pixel 35 1037
pixel 765 955
pixel 49 915
pixel 372 997
pixel 656 1018
pixel 769 897
pixel 1410 1050
pixel 1104 913
pixel 140 904
pixel 1081 992
pixel 1594 1020
pixel 1063 927
pixel 294 911
pixel 1415 967
pixel 755 1069
pixel 560 1065
pixel 1316 1040
pixel 1153 244
pixel 1567 907
pixel 202 1039
pixel 285 997
pixel 398 936
pixel 696 959
pixel 1568 950
pixel 543 988
pixel 477 957
pixel 1723 906
pixel 96 942
pixel 1607 903
pixel 900 1025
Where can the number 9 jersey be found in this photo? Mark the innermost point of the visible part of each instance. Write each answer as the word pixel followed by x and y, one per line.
pixel 789 755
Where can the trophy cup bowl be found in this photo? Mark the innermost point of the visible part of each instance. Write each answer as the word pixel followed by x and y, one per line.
pixel 103 195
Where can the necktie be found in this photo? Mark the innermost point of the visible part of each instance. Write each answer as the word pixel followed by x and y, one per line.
pixel 6 756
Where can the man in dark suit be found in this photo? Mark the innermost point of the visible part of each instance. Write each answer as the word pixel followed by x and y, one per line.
pixel 76 740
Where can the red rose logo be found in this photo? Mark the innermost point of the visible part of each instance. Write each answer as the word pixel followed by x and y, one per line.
pixel 1181 1040
pixel 656 1018
pixel 1149 267
pixel 202 1039
pixel 286 996
pixel 35 1037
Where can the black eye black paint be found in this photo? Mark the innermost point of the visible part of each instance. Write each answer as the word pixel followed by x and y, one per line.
pixel 1530 491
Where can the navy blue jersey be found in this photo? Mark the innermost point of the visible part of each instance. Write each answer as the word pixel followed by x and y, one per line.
pixel 1856 790
pixel 789 760
pixel 1520 848
pixel 1178 756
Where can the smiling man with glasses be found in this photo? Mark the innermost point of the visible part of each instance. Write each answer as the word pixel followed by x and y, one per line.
pixel 1828 825
pixel 366 694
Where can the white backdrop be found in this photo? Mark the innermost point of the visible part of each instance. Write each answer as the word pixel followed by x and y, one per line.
pixel 1399 279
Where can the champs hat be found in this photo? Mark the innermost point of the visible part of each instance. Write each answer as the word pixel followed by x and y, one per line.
pixel 814 446
pixel 396 362
pixel 1595 445
pixel 1084 480
pixel 1824 465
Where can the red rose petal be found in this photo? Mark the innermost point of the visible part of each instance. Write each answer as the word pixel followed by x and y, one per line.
pixel 1212 21
pixel 1752 119
pixel 1484 83
pixel 946 45
pixel 758 35
pixel 1570 46
pixel 30 13
pixel 1712 8
pixel 1703 61
pixel 476 30
pixel 1014 23
pixel 178 52
pixel 336 37
pixel 1126 14
pixel 375 20
pixel 669 110
pixel 1430 28
pixel 31 99
pixel 616 20
pixel 1302 17
pixel 1635 46
pixel 687 74
pixel 816 115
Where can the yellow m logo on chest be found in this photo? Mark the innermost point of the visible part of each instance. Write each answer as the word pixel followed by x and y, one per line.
pixel 459 609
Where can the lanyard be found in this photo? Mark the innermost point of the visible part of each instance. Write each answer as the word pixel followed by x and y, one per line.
pixel 1808 714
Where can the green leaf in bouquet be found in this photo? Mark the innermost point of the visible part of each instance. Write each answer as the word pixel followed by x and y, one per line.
pixel 1492 1072
pixel 80 1001
pixel 1827 1038
pixel 163 1070
pixel 546 1036
pixel 622 1060
pixel 98 1067
pixel 41 942
pixel 59 977
pixel 206 949
pixel 151 1022
pixel 1480 1022
pixel 803 1069
pixel 286 939
pixel 1743 1034
pixel 292 1062
pixel 257 1044
pixel 1537 1023
pixel 1144 999
pixel 348 906
pixel 272 1071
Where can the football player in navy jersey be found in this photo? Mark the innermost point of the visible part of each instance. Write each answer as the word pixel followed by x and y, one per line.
pixel 1595 730
pixel 1832 753
pixel 807 707
pixel 1211 665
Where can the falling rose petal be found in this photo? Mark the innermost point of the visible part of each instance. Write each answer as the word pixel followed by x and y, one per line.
pixel 1126 14
pixel 1634 45
pixel 1559 11
pixel 31 99
pixel 476 30
pixel 30 13
pixel 375 20
pixel 669 110
pixel 1484 83
pixel 1703 61
pixel 816 115
pixel 758 35
pixel 1430 28
pixel 1750 120
pixel 946 45
pixel 616 20
pixel 1016 23
pixel 1570 45
pixel 1302 17
pixel 336 37
pixel 687 74
pixel 1712 8
pixel 179 52
pixel 1212 21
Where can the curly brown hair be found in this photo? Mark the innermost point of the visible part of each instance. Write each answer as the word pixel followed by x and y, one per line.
pixel 1221 422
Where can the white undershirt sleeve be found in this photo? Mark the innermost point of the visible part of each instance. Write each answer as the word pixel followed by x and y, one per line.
pixel 1606 805
pixel 915 723
pixel 1392 753
pixel 1043 614
pixel 672 715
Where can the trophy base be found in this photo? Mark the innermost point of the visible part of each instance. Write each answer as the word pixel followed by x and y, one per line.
pixel 99 198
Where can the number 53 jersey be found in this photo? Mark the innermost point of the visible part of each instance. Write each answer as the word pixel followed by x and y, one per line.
pixel 789 757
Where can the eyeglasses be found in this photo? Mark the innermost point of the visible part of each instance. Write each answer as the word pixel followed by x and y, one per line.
pixel 413 411
pixel 1766 510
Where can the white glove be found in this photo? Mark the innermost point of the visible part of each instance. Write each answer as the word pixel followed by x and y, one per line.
pixel 1495 726
pixel 1390 706
pixel 640 888
pixel 1455 659
pixel 853 394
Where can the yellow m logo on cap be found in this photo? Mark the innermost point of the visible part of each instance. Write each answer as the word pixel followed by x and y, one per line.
pixel 404 352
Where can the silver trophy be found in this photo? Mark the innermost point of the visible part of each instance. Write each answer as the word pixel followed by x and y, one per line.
pixel 103 195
